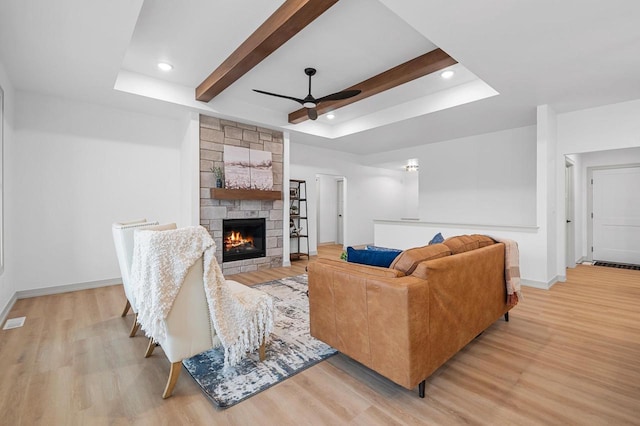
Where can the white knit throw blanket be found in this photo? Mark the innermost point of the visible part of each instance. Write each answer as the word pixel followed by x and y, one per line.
pixel 161 260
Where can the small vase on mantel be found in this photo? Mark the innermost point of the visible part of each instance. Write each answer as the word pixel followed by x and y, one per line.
pixel 219 174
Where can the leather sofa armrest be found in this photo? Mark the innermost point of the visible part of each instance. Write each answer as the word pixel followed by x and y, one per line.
pixel 467 295
pixel 380 321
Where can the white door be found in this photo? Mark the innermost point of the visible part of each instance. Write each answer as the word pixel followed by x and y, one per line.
pixel 340 237
pixel 616 215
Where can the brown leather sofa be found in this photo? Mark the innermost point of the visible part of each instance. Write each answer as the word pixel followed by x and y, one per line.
pixel 407 320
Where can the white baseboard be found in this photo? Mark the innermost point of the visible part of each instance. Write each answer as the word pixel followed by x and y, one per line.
pixel 24 294
pixel 543 285
pixel 5 312
pixel 535 284
pixel 556 279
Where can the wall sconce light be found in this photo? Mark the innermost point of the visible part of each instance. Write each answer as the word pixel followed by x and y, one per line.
pixel 412 165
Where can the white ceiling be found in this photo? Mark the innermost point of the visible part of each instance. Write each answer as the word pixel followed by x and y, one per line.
pixel 571 55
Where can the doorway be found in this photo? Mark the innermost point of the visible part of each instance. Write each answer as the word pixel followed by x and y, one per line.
pixel 331 207
pixel 340 195
pixel 614 218
pixel 569 186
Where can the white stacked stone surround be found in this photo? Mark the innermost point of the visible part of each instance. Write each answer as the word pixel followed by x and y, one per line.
pixel 215 133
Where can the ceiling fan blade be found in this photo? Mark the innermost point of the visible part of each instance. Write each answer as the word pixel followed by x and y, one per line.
pixel 312 113
pixel 346 94
pixel 300 101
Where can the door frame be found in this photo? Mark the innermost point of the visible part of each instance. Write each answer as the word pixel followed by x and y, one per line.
pixel 589 211
pixel 318 206
pixel 570 220
pixel 340 225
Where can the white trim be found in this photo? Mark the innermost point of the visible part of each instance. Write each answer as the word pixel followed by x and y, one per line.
pixel 541 284
pixel 535 284
pixel 413 222
pixel 5 312
pixel 46 291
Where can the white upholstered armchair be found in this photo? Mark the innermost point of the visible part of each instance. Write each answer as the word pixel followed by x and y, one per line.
pixel 123 241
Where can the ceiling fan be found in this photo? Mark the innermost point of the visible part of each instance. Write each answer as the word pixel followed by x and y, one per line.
pixel 309 101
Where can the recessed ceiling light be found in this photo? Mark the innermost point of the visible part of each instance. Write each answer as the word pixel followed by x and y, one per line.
pixel 447 74
pixel 165 66
pixel 331 116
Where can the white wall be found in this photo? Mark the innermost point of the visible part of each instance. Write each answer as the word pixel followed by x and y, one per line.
pixel 411 195
pixel 481 179
pixel 76 169
pixel 596 129
pixel 372 193
pixel 7 287
pixel 484 179
pixel 190 171
pixel 547 182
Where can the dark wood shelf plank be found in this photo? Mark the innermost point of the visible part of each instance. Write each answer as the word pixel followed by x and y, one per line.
pixel 297 256
pixel 244 194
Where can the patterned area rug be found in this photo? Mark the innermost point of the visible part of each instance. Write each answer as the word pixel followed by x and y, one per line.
pixel 617 265
pixel 289 351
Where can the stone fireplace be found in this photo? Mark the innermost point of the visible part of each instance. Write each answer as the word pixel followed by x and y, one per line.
pixel 215 133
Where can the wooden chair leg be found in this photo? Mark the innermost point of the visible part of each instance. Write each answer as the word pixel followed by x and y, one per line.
pixel 126 309
pixel 135 326
pixel 150 347
pixel 261 351
pixel 173 379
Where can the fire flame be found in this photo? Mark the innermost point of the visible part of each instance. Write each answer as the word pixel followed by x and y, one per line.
pixel 236 239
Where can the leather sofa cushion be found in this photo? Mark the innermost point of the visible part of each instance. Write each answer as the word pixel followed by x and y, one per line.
pixel 483 240
pixel 408 260
pixel 365 269
pixel 461 243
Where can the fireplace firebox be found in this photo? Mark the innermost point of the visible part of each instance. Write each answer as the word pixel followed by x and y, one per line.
pixel 243 239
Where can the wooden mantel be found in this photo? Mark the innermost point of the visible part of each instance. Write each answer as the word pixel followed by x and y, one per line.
pixel 244 194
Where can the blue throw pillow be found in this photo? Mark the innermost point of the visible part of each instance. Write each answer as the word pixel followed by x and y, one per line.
pixel 371 257
pixel 377 248
pixel 437 239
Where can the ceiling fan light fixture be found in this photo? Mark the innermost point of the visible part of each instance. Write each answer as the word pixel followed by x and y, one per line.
pixel 165 66
pixel 447 74
pixel 311 103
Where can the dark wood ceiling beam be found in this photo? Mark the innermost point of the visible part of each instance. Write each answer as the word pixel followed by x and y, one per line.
pixel 281 26
pixel 415 68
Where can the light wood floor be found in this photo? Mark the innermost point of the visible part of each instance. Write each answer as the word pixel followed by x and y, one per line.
pixel 570 355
